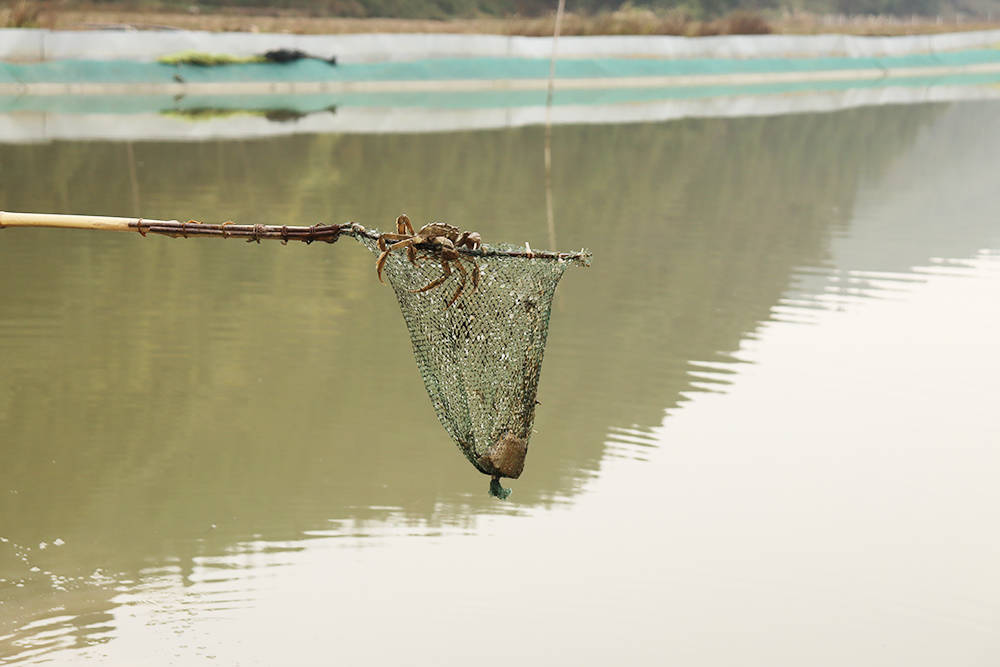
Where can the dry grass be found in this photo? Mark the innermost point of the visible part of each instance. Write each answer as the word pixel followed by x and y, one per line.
pixel 627 21
pixel 875 25
pixel 736 23
pixel 243 20
pixel 636 21
pixel 20 14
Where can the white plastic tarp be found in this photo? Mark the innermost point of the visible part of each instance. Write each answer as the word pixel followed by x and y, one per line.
pixel 29 45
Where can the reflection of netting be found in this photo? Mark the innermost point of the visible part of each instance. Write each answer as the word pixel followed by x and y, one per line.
pixel 480 358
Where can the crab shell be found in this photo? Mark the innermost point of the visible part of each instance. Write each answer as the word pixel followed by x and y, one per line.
pixel 439 229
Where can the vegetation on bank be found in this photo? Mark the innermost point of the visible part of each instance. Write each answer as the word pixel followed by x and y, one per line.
pixel 449 9
pixel 524 17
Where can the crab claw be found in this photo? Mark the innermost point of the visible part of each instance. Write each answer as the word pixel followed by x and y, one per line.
pixel 403 225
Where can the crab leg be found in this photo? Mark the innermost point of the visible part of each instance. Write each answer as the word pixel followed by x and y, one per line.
pixel 386 251
pixel 403 226
pixel 475 273
pixel 437 281
pixel 390 237
pixel 461 285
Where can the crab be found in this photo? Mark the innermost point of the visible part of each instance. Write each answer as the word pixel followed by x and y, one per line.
pixel 439 239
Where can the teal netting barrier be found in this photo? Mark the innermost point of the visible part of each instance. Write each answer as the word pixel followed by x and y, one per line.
pixel 307 103
pixel 451 69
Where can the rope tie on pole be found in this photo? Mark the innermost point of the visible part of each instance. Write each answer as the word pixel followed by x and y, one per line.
pixel 258 231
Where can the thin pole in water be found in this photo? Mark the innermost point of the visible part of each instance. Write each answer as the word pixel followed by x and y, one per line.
pixel 550 217
pixel 552 61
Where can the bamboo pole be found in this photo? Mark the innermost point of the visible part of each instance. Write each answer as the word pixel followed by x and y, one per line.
pixel 252 233
pixel 174 228
pixel 106 223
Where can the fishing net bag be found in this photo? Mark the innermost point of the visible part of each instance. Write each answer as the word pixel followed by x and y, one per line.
pixel 478 338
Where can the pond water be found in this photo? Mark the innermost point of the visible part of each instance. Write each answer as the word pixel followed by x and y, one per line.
pixel 767 432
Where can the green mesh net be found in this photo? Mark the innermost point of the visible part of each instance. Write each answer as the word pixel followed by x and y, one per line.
pixel 481 356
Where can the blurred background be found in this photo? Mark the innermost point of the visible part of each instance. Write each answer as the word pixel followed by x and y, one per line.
pixel 766 430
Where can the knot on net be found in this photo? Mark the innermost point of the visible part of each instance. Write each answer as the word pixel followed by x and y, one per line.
pixel 478 338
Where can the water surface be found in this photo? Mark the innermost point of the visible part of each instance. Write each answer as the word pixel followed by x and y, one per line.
pixel 766 432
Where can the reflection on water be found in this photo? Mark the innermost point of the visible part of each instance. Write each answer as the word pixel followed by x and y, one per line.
pixel 201 425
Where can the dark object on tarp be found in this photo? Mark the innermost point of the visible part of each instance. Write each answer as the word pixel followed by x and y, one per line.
pixel 283 56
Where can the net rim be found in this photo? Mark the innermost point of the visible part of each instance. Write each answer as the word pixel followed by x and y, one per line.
pixel 582 257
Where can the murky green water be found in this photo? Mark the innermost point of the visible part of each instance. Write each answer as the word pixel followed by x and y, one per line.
pixel 767 431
